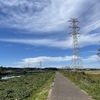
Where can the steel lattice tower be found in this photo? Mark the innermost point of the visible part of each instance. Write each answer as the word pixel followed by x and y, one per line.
pixel 40 64
pixel 98 53
pixel 76 59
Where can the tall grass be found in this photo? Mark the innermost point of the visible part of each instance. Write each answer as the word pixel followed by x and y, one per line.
pixel 88 82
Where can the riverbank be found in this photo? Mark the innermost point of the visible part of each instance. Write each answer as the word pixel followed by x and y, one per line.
pixel 26 87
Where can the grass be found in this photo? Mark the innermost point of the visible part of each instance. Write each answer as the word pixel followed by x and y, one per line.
pixel 93 72
pixel 27 87
pixel 42 93
pixel 87 82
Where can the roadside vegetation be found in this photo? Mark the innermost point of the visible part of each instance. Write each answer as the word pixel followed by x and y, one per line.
pixel 27 87
pixel 87 81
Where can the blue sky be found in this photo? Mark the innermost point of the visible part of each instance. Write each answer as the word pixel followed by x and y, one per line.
pixel 37 30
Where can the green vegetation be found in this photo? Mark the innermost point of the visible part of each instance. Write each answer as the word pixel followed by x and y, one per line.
pixel 0 69
pixel 27 87
pixel 21 71
pixel 88 82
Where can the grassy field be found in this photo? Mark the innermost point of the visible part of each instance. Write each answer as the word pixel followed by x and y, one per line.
pixel 27 87
pixel 92 72
pixel 89 81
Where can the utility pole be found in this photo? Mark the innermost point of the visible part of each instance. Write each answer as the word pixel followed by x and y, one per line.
pixel 40 64
pixel 76 59
pixel 98 52
pixel 28 65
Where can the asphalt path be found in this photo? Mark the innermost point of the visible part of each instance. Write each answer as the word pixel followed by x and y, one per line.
pixel 63 89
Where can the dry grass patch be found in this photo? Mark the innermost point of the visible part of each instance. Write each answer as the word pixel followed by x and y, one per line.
pixel 93 72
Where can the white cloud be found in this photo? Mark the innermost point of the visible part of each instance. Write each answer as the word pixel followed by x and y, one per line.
pixel 40 15
pixel 89 39
pixel 50 15
pixel 84 40
pixel 35 61
pixel 92 58
pixel 42 42
pixel 44 59
pixel 94 26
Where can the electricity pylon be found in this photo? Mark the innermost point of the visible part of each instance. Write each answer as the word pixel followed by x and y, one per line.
pixel 98 52
pixel 40 64
pixel 76 59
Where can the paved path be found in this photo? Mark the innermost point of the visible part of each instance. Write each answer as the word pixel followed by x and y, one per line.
pixel 63 89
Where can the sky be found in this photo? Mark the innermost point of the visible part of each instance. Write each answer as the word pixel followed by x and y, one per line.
pixel 34 31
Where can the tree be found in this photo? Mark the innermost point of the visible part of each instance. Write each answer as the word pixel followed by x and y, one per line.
pixel 0 69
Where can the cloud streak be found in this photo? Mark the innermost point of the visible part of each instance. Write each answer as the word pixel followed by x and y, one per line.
pixel 44 59
pixel 41 42
pixel 49 60
pixel 39 15
pixel 92 58
pixel 84 40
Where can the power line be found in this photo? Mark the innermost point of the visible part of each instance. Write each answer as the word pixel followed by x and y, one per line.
pixel 89 17
pixel 58 52
pixel 91 24
pixel 89 8
pixel 40 64
pixel 53 58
